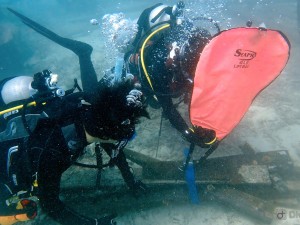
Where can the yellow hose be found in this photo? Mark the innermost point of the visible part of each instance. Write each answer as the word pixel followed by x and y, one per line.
pixel 142 52
pixel 16 108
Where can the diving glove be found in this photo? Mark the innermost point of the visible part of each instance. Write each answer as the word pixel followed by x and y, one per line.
pixel 200 136
pixel 134 99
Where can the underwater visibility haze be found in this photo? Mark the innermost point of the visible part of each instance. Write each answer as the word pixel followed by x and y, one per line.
pixel 253 175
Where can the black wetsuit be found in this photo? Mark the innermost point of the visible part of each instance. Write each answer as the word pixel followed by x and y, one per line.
pixel 169 78
pixel 45 153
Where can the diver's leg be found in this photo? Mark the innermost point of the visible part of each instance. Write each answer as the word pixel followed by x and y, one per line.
pixel 82 50
pixel 53 161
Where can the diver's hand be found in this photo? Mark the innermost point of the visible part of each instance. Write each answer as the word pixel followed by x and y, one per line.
pixel 200 136
pixel 134 99
pixel 106 220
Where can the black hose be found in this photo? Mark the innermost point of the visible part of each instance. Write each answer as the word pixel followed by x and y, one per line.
pixel 90 166
pixel 23 115
pixel 210 20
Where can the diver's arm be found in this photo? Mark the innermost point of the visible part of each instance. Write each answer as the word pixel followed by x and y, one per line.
pixel 172 113
pixel 198 135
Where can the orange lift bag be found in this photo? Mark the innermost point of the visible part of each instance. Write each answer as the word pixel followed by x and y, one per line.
pixel 233 68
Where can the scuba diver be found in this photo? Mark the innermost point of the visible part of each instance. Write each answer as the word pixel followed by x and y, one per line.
pixel 163 57
pixel 44 129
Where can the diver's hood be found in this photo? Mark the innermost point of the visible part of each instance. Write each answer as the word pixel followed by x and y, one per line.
pixel 150 18
pixel 107 129
pixel 109 116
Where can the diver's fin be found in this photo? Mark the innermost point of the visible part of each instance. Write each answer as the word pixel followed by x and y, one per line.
pixel 79 48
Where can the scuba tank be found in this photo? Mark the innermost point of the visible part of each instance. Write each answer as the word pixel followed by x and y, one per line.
pixel 23 87
pixel 17 118
pixel 15 89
